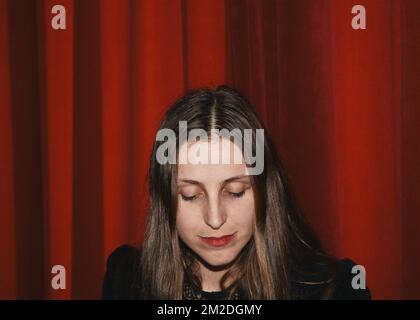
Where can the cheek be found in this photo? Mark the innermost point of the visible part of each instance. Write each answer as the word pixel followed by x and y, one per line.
pixel 187 222
pixel 242 214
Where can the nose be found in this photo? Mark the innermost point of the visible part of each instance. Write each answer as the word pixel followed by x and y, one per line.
pixel 215 215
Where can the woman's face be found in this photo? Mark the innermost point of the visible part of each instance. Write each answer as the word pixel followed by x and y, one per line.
pixel 216 211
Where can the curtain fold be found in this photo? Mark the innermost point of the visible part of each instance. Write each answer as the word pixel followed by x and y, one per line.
pixel 79 109
pixel 56 87
pixel 367 99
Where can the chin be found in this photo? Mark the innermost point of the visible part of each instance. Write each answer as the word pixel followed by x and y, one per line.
pixel 219 258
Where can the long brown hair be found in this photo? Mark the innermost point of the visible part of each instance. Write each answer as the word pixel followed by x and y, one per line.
pixel 283 254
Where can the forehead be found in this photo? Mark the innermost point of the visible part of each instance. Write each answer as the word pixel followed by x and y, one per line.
pixel 221 165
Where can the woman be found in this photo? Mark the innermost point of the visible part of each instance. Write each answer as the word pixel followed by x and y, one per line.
pixel 216 230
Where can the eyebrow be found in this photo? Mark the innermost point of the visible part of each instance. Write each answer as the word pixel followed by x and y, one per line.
pixel 195 182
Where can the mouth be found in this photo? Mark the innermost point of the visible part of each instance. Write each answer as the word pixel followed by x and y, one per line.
pixel 218 241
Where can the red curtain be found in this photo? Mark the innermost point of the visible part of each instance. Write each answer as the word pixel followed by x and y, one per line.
pixel 79 109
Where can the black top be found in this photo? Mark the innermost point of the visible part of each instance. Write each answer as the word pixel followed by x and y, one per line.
pixel 123 264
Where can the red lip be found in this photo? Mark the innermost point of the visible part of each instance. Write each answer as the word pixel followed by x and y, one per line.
pixel 218 241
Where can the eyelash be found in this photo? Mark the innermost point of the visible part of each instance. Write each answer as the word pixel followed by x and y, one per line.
pixel 233 194
pixel 188 198
pixel 237 194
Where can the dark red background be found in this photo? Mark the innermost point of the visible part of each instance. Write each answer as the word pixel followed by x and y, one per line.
pixel 79 109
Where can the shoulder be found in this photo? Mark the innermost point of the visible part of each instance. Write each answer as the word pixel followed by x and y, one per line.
pixel 123 254
pixel 349 282
pixel 120 280
pixel 331 280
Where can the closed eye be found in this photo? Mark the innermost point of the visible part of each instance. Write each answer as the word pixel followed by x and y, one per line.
pixel 232 194
pixel 237 194
pixel 191 198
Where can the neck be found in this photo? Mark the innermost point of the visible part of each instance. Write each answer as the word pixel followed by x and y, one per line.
pixel 210 279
